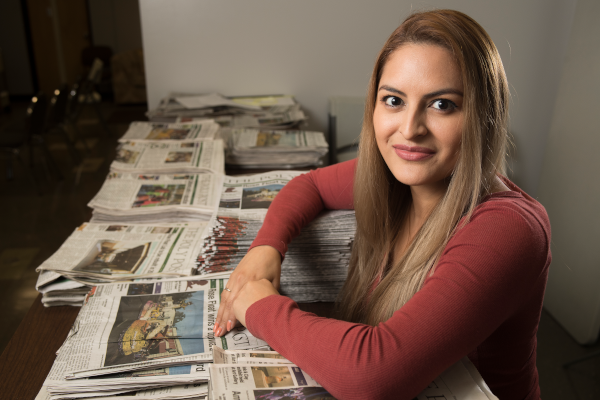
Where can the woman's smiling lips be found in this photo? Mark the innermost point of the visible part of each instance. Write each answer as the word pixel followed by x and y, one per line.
pixel 413 153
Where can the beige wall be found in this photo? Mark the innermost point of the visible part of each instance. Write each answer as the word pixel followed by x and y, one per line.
pixel 570 184
pixel 314 49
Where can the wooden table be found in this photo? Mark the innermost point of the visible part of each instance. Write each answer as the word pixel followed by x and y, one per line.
pixel 29 355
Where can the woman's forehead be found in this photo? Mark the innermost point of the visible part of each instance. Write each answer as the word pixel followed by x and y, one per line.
pixel 424 65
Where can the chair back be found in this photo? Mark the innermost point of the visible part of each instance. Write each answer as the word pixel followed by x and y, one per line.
pixel 36 114
pixel 58 107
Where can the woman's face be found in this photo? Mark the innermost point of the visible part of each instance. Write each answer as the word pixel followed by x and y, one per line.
pixel 418 117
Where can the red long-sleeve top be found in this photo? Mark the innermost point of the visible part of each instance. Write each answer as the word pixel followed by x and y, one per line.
pixel 484 300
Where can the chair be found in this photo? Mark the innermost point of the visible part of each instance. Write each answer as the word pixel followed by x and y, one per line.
pixel 14 137
pixel 345 124
pixel 57 120
pixel 83 93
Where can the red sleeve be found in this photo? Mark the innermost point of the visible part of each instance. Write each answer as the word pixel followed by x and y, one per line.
pixel 302 199
pixel 485 274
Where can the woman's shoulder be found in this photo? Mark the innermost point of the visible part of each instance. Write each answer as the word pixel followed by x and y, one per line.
pixel 515 201
pixel 512 214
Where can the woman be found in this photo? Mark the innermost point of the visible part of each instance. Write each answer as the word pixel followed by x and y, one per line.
pixel 450 258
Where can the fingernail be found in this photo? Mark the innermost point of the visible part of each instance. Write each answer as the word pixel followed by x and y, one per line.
pixel 216 327
pixel 228 325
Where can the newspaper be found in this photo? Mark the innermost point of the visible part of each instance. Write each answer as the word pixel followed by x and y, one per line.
pixel 252 380
pixel 170 158
pixel 253 148
pixel 130 198
pixel 213 100
pixel 222 356
pixel 316 263
pixel 275 112
pixel 151 131
pixel 144 325
pixel 107 252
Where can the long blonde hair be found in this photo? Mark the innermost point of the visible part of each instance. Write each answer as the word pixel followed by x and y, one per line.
pixel 381 202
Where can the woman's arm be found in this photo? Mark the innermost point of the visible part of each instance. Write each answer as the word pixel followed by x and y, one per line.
pixel 298 203
pixel 488 271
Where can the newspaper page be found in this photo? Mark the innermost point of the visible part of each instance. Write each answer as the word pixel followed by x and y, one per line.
pixel 222 356
pixel 127 251
pixel 263 381
pixel 176 158
pixel 136 194
pixel 254 381
pixel 152 131
pixel 145 325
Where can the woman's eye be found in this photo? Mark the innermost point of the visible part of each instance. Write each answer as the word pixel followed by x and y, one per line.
pixel 392 101
pixel 442 104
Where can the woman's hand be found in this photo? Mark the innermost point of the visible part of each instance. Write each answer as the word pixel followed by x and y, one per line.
pixel 262 262
pixel 252 292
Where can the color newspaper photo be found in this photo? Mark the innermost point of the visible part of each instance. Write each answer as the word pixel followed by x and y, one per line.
pixel 115 257
pixel 167 134
pixel 159 195
pixel 259 197
pixel 150 327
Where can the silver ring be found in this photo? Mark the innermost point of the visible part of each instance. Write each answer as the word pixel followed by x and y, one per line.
pixel 229 290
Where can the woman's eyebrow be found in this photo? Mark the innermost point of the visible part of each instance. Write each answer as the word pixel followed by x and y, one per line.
pixel 391 89
pixel 428 95
pixel 444 91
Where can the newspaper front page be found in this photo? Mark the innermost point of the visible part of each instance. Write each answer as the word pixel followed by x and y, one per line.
pixel 145 325
pixel 156 197
pixel 175 158
pixel 173 132
pixel 107 252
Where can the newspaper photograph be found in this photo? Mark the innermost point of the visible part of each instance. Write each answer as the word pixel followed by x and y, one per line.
pixel 176 158
pixel 263 381
pixel 108 252
pixel 252 195
pixel 193 196
pixel 145 325
pixel 173 132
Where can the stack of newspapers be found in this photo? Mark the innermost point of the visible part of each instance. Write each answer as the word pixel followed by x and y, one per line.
pixel 150 339
pixel 266 375
pixel 141 131
pixel 183 157
pixel 152 198
pixel 108 253
pixel 315 266
pixel 253 148
pixel 274 112
pixel 154 340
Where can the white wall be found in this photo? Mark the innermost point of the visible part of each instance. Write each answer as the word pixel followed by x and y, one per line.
pixel 570 187
pixel 314 49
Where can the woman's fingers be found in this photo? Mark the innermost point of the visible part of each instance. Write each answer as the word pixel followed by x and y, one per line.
pixel 262 262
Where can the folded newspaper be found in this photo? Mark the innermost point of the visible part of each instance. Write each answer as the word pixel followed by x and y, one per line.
pixel 253 148
pixel 274 112
pixel 156 326
pixel 258 375
pixel 152 198
pixel 151 131
pixel 104 253
pixel 315 266
pixel 170 158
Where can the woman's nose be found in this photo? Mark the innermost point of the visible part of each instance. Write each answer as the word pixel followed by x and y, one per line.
pixel 412 124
